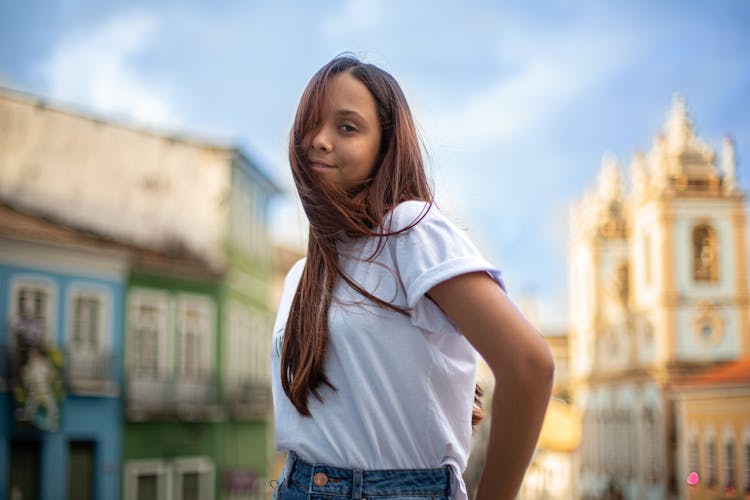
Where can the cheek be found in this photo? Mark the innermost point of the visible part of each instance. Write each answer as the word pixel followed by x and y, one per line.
pixel 370 153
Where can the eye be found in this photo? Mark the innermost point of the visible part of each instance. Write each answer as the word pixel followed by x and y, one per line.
pixel 347 128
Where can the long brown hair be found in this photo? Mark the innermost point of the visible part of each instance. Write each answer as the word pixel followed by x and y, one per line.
pixel 398 176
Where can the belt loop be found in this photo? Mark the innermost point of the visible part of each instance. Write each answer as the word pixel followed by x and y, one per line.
pixel 451 481
pixel 357 484
pixel 291 457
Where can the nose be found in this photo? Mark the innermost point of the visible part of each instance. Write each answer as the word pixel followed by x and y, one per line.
pixel 321 140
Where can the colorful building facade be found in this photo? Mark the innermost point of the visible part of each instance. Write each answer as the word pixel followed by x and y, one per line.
pixel 189 220
pixel 61 296
pixel 713 411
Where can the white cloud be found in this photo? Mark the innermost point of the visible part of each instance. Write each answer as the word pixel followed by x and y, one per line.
pixel 547 76
pixel 95 68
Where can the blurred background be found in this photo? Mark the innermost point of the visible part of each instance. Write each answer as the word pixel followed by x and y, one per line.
pixel 593 151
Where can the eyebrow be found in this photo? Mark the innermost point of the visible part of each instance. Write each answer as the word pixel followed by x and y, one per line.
pixel 349 112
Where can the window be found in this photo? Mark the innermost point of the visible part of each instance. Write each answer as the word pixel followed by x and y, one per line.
pixel 693 454
pixel 148 333
pixel 194 337
pixel 32 309
pixel 88 338
pixel 621 283
pixel 180 479
pixel 632 445
pixel 146 480
pixel 730 481
pixel 193 479
pixel 705 253
pixel 710 462
pixel 86 318
pixel 651 444
pixel 247 345
pixel 89 312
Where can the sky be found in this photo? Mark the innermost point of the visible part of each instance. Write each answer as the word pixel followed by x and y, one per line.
pixel 517 102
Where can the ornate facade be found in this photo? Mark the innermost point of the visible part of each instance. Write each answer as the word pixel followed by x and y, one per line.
pixel 658 287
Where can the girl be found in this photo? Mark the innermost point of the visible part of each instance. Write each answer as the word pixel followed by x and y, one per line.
pixel 374 352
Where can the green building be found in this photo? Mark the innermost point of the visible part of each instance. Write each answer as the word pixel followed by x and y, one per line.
pixel 197 308
pixel 198 390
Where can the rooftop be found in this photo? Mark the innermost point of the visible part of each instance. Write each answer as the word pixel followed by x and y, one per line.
pixel 23 225
pixel 730 373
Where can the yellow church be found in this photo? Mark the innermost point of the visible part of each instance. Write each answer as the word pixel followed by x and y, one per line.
pixel 658 294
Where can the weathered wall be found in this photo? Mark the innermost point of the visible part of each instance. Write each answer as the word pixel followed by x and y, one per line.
pixel 132 184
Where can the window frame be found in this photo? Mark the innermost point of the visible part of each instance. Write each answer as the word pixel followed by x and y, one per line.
pixel 136 468
pixel 39 282
pixel 207 310
pixel 86 290
pixel 201 465
pixel 136 298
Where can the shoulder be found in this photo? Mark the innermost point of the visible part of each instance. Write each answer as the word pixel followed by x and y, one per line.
pixel 411 213
pixel 295 273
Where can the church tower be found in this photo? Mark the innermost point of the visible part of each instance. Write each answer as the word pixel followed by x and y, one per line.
pixel 598 276
pixel 688 251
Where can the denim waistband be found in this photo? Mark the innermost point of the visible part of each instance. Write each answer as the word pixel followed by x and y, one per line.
pixel 357 484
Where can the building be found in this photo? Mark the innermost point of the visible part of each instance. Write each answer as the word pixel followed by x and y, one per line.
pixel 713 414
pixel 61 297
pixel 195 300
pixel 554 469
pixel 658 287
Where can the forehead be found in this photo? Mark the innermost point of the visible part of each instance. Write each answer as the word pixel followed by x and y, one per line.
pixel 345 94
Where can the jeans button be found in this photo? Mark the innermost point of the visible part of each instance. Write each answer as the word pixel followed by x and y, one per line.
pixel 320 479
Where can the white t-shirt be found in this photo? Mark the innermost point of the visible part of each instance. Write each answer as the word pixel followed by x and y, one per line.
pixel 404 384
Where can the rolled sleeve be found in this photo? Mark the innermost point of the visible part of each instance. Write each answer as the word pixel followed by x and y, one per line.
pixel 431 252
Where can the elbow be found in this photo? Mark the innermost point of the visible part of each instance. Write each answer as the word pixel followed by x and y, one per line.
pixel 547 369
pixel 538 368
pixel 541 365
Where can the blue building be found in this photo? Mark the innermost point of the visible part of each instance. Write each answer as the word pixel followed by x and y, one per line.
pixel 61 335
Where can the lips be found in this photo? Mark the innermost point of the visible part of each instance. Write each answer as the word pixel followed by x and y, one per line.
pixel 319 165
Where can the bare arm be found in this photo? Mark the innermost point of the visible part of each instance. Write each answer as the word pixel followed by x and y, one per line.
pixel 523 369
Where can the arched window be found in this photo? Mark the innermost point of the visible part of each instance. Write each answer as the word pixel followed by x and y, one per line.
pixel 597 433
pixel 710 474
pixel 651 445
pixel 705 253
pixel 632 436
pixel 693 464
pixel 621 283
pixel 730 479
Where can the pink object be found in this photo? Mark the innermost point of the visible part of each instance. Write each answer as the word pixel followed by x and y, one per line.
pixel 693 478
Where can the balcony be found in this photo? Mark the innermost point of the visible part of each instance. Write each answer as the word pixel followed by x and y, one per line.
pixel 91 373
pixel 85 374
pixel 248 398
pixel 189 399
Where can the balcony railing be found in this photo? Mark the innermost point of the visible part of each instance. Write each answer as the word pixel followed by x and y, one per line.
pixel 248 398
pixel 168 396
pixel 91 373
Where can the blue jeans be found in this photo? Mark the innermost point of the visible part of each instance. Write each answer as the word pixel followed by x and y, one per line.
pixel 303 481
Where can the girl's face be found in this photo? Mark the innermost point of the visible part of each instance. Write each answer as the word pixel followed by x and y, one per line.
pixel 345 147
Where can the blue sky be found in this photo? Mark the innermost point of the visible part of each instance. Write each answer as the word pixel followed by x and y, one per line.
pixel 516 101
